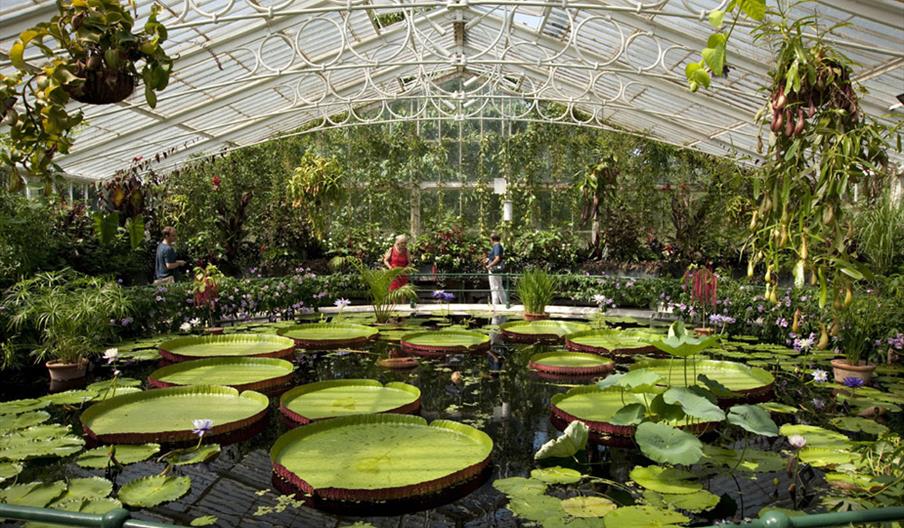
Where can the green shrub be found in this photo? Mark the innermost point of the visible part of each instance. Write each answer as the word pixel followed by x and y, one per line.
pixel 536 289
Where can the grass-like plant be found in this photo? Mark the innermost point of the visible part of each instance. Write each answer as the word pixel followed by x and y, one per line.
pixel 377 282
pixel 536 289
pixel 61 315
pixel 880 233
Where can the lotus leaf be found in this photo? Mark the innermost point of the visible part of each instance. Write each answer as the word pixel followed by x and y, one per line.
pixel 779 408
pixel 21 406
pixel 147 492
pixel 858 425
pixel 856 482
pixel 191 455
pixel 825 457
pixel 9 470
pixel 538 508
pixel 12 422
pixel 693 404
pixel 97 505
pixel 87 488
pixel 697 502
pixel 752 419
pixel 605 341
pixel 520 486
pixel 204 520
pixel 172 411
pixel 71 397
pixel 572 440
pixel 666 444
pixel 328 399
pixel 235 371
pixel 247 345
pixel 34 494
pixel 556 475
pixel 754 460
pixel 665 479
pixel 588 506
pixel 631 414
pixel 735 377
pixel 681 344
pixel 105 385
pixel 816 436
pixel 380 451
pixel 100 457
pixel 645 517
pixel 636 381
pixel 713 386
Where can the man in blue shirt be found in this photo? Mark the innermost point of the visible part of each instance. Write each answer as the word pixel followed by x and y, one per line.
pixel 166 261
pixel 495 266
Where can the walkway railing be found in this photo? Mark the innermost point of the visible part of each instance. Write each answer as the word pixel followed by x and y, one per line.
pixel 118 518
pixel 465 286
pixel 778 519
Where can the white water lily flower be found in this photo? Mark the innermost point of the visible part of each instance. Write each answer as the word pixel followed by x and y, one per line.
pixel 195 322
pixel 797 441
pixel 111 354
pixel 185 327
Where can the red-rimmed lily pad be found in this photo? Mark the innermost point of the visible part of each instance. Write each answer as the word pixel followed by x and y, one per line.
pixel 747 384
pixel 334 398
pixel 546 331
pixel 236 345
pixel 322 336
pixel 379 457
pixel 564 363
pixel 440 342
pixel 259 374
pixel 612 342
pixel 167 415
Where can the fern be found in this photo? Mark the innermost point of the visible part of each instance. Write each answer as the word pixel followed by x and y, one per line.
pixel 378 282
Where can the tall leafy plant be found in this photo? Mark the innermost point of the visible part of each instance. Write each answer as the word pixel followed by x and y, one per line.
pixel 377 282
pixel 536 289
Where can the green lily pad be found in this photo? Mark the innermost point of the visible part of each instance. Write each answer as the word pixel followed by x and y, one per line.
pixel 537 508
pixel 238 372
pixel 13 422
pixel 852 482
pixel 752 419
pixel 99 457
pixel 87 488
pixel 444 341
pixel 34 494
pixel 666 479
pixel 147 354
pixel 736 377
pixel 666 444
pixel 21 406
pixel 693 404
pixel 679 343
pixel 71 397
pixel 588 506
pixel 98 505
pixel 47 440
pixel 697 502
pixel 9 470
pixel 239 345
pixel 636 381
pixel 329 399
pixel 378 456
pixel 204 520
pixel 520 486
pixel 565 361
pixel 112 383
pixel 816 436
pixel 147 492
pixel 825 457
pixel 645 517
pixel 329 335
pixel 612 341
pixel 113 392
pixel 753 461
pixel 530 331
pixel 572 440
pixel 779 408
pixel 191 455
pixel 556 475
pixel 858 425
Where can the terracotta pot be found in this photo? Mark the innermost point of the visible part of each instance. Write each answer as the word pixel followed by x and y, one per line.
pixel 843 369
pixel 60 371
pixel 535 316
pixel 705 331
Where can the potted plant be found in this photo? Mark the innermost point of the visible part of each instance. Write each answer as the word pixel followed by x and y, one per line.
pixel 378 282
pixel 64 318
pixel 855 339
pixel 536 289
pixel 703 285
pixel 206 292
pixel 100 62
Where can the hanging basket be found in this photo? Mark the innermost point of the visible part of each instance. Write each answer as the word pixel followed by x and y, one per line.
pixel 104 86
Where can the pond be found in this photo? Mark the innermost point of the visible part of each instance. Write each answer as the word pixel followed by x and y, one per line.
pixel 494 391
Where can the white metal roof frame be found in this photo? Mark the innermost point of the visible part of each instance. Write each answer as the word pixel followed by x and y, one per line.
pixel 248 71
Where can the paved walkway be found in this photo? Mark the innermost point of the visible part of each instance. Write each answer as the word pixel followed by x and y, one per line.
pixel 515 309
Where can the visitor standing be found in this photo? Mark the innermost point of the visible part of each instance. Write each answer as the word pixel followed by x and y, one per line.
pixel 397 257
pixel 495 266
pixel 166 262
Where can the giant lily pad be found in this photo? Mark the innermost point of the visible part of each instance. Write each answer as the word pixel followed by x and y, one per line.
pixel 329 399
pixel 147 492
pixel 379 457
pixel 749 383
pixel 319 336
pixel 166 415
pixel 561 363
pixel 260 374
pixel 540 331
pixel 612 342
pixel 240 345
pixel 429 343
pixel 666 444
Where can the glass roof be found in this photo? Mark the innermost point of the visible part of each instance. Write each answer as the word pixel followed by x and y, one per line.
pixel 251 70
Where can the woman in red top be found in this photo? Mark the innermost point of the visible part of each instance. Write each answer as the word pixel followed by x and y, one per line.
pixel 397 257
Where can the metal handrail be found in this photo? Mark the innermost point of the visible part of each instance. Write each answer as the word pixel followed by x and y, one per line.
pixel 779 519
pixel 118 518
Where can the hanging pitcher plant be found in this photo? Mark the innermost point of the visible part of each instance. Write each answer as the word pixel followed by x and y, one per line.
pixel 821 147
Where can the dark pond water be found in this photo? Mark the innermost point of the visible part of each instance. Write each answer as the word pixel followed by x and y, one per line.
pixel 498 394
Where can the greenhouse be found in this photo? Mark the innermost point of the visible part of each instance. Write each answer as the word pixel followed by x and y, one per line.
pixel 451 263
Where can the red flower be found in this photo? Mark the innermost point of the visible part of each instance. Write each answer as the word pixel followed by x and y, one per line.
pixel 216 182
